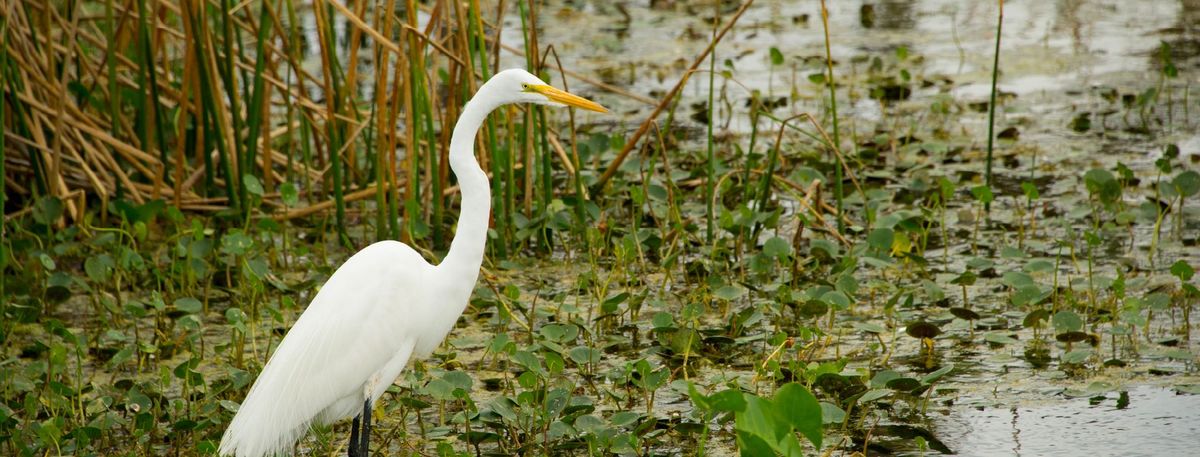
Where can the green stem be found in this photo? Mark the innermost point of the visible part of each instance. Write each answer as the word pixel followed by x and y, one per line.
pixel 838 191
pixel 235 107
pixel 435 190
pixel 152 76
pixel 209 120
pixel 114 102
pixel 710 185
pixel 751 162
pixel 3 177
pixel 255 111
pixel 992 104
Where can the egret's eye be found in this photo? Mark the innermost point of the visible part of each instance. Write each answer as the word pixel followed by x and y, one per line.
pixel 525 87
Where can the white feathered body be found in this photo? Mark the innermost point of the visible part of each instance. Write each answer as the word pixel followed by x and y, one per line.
pixel 352 341
pixel 383 306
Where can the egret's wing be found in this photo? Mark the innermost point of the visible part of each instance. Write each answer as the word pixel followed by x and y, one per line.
pixel 354 326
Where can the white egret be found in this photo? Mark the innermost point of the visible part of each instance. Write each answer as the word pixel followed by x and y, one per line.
pixel 385 305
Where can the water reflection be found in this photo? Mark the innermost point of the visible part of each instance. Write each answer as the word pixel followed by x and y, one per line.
pixel 1047 45
pixel 1183 37
pixel 1139 421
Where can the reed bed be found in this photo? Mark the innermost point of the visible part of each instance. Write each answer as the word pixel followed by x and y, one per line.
pixel 216 105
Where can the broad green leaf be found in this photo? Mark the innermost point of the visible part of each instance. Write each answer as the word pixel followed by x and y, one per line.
pixel 47 209
pixel 824 245
pixel 189 305
pixel 753 445
pixel 947 189
pixel 800 408
pixel 776 56
pixel 873 394
pixel 1102 184
pixel 624 418
pixel 1158 301
pixel 999 338
pixel 583 355
pixel 289 194
pixel 1030 294
pixel 731 400
pixel 663 320
pixel 253 185
pixel 99 268
pixel 729 292
pixel 235 242
pixel 1030 190
pixel 831 413
pixel 983 194
pixel 931 377
pixel 777 247
pixel 1067 321
pixel 1010 252
pixel 1016 279
pixel 1187 183
pixel 881 239
pixel 439 389
pixel 1038 266
pixel 847 283
pixel 837 299
pixel 46 261
pixel 459 379
pixel 967 278
pixel 1077 356
pixel 758 420
pixel 882 377
pixel 1182 270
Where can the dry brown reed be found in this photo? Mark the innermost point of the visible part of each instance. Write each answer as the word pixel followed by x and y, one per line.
pixel 215 104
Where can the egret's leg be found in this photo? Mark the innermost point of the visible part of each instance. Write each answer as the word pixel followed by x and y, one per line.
pixel 365 444
pixel 354 437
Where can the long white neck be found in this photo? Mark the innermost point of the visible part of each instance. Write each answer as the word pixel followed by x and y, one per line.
pixel 466 250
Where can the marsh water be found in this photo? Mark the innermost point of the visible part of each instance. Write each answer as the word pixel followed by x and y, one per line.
pixel 1058 60
pixel 914 79
pixel 1142 420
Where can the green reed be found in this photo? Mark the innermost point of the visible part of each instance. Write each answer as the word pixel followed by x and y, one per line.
pixel 3 177
pixel 992 104
pixel 710 170
pixel 257 109
pixel 838 191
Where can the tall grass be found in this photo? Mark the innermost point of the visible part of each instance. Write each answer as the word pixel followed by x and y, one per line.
pixel 210 105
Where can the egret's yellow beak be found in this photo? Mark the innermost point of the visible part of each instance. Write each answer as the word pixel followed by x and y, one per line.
pixel 566 98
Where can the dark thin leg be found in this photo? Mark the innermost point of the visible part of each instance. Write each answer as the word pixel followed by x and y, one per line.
pixel 365 439
pixel 354 437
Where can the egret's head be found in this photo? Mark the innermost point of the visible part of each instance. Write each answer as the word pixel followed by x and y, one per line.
pixel 519 86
